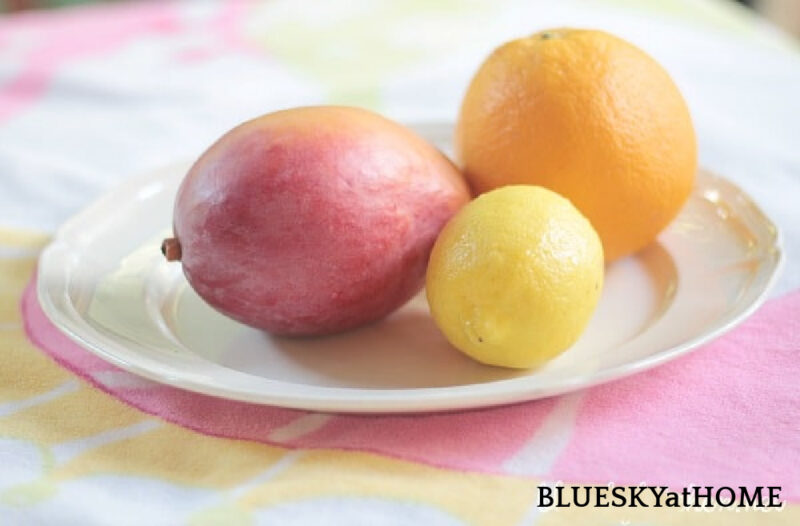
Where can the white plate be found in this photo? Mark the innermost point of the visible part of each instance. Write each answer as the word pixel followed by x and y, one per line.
pixel 104 282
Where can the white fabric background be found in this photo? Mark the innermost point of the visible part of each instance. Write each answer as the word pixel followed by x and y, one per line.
pixel 114 115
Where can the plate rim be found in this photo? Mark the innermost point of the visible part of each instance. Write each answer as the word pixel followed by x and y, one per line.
pixel 395 400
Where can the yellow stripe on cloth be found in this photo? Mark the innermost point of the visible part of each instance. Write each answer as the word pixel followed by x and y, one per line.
pixel 19 238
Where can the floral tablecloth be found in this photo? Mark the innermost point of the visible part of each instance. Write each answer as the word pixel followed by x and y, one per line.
pixel 92 95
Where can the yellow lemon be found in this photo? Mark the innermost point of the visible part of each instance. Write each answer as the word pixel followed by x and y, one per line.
pixel 515 276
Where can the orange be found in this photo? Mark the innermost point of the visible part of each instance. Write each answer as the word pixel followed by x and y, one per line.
pixel 590 116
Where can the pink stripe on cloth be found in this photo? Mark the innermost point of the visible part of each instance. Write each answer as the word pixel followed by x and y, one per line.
pixel 65 36
pixel 727 414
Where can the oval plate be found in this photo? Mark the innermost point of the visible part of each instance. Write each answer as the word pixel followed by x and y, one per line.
pixel 105 284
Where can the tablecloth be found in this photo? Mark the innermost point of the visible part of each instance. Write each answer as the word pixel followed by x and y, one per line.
pixel 90 96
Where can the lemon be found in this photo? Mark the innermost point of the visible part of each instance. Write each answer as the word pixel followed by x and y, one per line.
pixel 515 276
